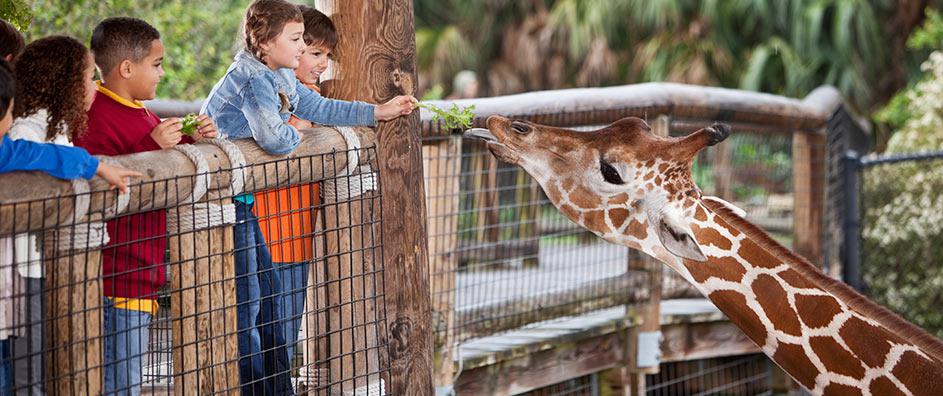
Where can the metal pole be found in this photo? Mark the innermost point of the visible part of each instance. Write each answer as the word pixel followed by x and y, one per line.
pixel 851 220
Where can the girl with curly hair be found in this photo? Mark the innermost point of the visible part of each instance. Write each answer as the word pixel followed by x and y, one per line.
pixel 54 89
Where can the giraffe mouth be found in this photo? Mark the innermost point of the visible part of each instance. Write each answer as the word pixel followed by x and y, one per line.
pixel 497 148
pixel 481 133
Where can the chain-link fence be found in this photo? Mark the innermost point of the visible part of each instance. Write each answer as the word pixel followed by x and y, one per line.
pixel 259 276
pixel 894 233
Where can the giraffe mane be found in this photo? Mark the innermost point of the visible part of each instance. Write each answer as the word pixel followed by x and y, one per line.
pixel 930 345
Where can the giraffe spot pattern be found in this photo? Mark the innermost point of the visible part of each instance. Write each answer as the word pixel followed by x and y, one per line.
pixel 638 230
pixel 700 214
pixel 740 314
pixel 620 199
pixel 726 268
pixel 595 220
pixel 794 279
pixel 771 296
pixel 583 198
pixel 754 254
pixel 710 236
pixel 920 378
pixel 618 216
pixel 817 311
pixel 835 358
pixel 865 342
pixel 793 359
pixel 884 387
pixel 840 390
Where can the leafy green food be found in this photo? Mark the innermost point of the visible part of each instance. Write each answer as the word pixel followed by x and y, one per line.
pixel 455 117
pixel 189 124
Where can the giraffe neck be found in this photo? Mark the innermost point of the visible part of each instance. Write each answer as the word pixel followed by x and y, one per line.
pixel 829 338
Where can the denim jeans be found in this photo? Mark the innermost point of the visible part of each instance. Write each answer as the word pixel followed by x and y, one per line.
pixel 126 337
pixel 264 368
pixel 6 369
pixel 27 351
pixel 294 281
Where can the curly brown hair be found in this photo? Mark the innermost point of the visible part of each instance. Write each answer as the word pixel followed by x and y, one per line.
pixel 265 20
pixel 50 75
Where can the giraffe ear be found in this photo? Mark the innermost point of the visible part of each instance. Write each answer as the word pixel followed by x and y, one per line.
pixel 678 239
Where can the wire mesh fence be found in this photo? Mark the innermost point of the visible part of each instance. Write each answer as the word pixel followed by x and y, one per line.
pixel 901 239
pixel 746 375
pixel 267 284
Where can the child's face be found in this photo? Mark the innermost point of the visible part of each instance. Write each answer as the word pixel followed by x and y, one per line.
pixel 90 88
pixel 285 50
pixel 313 62
pixel 7 121
pixel 146 74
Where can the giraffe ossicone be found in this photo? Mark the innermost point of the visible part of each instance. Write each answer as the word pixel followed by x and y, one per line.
pixel 633 188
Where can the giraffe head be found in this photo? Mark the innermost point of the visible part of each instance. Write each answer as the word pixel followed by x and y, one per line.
pixel 621 182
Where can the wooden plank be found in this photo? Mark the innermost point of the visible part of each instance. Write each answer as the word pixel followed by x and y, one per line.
pixel 808 173
pixel 442 167
pixel 375 61
pixel 563 362
pixel 692 341
pixel 516 312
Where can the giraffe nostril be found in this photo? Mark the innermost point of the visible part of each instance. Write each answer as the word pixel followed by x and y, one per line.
pixel 520 128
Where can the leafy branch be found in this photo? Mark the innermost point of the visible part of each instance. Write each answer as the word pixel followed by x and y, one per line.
pixel 454 117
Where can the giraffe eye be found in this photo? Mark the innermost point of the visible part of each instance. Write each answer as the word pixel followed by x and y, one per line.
pixel 609 173
pixel 520 128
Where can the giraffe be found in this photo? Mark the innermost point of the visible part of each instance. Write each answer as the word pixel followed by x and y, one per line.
pixel 633 188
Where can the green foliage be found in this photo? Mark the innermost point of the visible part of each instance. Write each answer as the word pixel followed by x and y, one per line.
pixel 454 117
pixel 17 12
pixel 199 42
pixel 189 124
pixel 900 108
pixel 903 223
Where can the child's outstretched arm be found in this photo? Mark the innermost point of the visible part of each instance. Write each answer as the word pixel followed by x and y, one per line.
pixel 58 161
pixel 316 108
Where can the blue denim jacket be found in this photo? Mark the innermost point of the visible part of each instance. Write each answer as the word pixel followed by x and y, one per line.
pixel 249 102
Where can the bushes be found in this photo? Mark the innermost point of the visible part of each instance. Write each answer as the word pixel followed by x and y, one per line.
pixel 903 212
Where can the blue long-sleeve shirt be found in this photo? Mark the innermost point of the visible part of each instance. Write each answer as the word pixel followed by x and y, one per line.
pixel 253 101
pixel 58 161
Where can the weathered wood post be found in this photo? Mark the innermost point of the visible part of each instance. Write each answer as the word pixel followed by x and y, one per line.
pixel 376 60
pixel 442 170
pixel 203 300
pixel 73 298
pixel 808 179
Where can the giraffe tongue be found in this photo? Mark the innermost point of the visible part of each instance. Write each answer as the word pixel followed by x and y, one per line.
pixel 480 133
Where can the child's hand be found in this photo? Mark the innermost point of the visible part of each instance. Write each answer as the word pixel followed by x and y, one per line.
pixel 167 134
pixel 115 175
pixel 398 106
pixel 207 128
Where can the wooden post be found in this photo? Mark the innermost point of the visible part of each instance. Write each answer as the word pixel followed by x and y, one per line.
pixel 203 300
pixel 376 60
pixel 73 294
pixel 808 175
pixel 315 372
pixel 442 166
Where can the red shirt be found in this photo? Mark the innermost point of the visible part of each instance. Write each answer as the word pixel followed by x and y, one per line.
pixel 133 260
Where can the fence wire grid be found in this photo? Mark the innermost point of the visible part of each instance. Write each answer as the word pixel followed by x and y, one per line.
pixel 282 292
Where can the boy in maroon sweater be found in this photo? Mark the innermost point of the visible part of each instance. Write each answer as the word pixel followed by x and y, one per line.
pixel 129 53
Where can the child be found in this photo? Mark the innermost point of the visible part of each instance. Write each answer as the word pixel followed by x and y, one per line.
pixel 285 215
pixel 129 54
pixel 54 90
pixel 58 161
pixel 254 100
pixel 11 41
